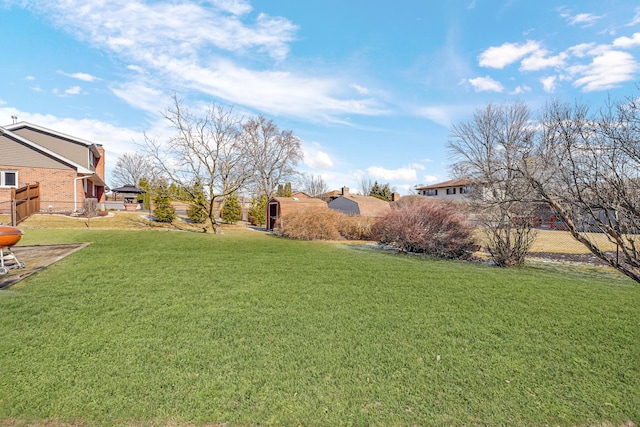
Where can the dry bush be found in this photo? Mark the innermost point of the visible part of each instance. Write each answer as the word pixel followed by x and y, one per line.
pixel 353 227
pixel 410 200
pixel 309 224
pixel 324 224
pixel 435 228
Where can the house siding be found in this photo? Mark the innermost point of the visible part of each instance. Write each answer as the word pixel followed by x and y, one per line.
pixel 72 150
pixel 448 190
pixel 21 155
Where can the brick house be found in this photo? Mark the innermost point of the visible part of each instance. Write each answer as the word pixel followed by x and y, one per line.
pixel 69 169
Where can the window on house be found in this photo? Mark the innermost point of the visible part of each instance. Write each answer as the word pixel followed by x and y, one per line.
pixel 451 191
pixel 430 192
pixel 466 190
pixel 8 179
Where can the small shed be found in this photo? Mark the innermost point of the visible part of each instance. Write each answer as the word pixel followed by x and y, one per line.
pixel 355 204
pixel 277 206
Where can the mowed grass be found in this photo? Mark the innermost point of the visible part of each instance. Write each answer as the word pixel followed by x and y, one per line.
pixel 164 327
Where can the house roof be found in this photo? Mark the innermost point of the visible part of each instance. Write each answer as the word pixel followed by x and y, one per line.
pixel 367 205
pixel 22 125
pixel 458 182
pixel 70 163
pixel 331 194
pixel 299 201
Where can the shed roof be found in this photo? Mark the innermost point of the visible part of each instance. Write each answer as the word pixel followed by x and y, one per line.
pixel 293 203
pixel 367 205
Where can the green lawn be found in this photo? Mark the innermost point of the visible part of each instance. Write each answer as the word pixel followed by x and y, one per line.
pixel 157 327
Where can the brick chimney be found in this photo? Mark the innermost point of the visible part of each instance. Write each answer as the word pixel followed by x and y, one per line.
pixel 345 191
pixel 100 164
pixel 100 171
pixel 395 197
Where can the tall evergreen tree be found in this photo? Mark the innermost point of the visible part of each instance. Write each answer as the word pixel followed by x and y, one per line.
pixel 232 210
pixel 164 211
pixel 197 208
pixel 381 192
pixel 258 211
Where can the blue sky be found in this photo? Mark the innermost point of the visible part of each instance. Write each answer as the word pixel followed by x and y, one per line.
pixel 370 87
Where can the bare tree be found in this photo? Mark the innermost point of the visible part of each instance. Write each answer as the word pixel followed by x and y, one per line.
pixel 206 154
pixel 272 153
pixel 130 168
pixel 314 185
pixel 365 186
pixel 488 149
pixel 587 169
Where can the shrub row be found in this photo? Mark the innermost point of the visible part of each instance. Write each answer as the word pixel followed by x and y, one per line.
pixel 433 228
pixel 325 224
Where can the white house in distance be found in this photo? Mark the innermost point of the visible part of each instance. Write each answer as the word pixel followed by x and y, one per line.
pixel 455 189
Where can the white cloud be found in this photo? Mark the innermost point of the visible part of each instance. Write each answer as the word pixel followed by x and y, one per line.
pixel 539 60
pixel 486 84
pixel 135 68
pixel 192 58
pixel 506 54
pixel 627 42
pixel 275 91
pixel 583 49
pixel 549 84
pixel 73 90
pixel 606 70
pixel 582 19
pixel 237 7
pixel 401 174
pixel 30 78
pixel 80 76
pixel 636 18
pixel 438 114
pixel 520 90
pixel 360 89
pixel 136 28
pixel 315 159
pixel 138 95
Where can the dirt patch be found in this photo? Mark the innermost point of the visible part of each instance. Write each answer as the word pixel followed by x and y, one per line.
pixel 36 258
pixel 587 259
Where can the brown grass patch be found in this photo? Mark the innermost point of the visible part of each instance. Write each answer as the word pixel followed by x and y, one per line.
pixel 116 220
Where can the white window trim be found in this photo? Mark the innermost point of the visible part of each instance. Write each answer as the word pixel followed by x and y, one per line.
pixel 2 178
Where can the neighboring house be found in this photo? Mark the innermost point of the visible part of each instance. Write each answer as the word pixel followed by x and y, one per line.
pixel 455 189
pixel 69 169
pixel 355 204
pixel 277 206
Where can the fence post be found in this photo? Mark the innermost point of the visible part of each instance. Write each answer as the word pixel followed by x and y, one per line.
pixel 13 207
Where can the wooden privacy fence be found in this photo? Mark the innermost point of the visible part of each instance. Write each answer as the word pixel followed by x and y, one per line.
pixel 25 201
